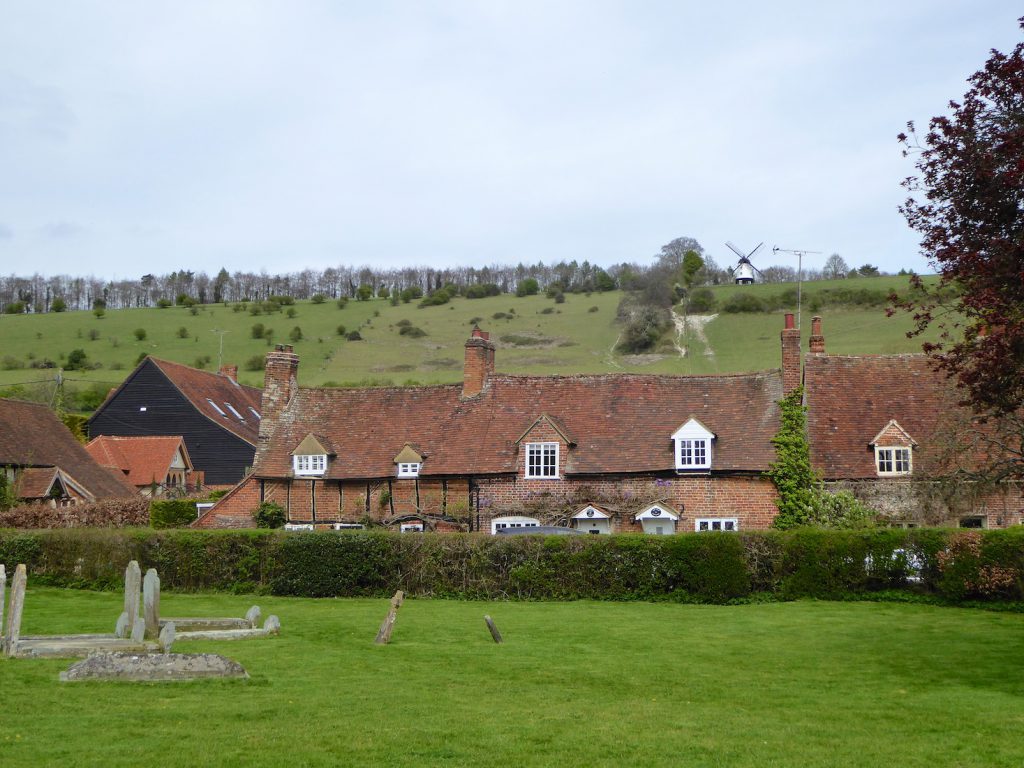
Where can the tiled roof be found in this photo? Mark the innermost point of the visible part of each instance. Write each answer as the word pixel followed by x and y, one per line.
pixel 218 397
pixel 32 436
pixel 142 460
pixel 621 423
pixel 35 482
pixel 851 398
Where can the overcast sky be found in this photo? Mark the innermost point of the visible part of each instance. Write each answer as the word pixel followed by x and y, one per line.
pixel 153 136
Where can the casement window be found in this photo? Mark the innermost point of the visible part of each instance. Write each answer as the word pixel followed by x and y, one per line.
pixel 693 447
pixel 542 460
pixel 716 524
pixel 309 465
pixel 693 454
pixel 893 461
pixel 409 469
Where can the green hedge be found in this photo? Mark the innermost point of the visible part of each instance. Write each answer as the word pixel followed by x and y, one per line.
pixel 172 513
pixel 957 566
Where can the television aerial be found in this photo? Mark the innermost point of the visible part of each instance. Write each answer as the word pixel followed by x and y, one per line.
pixel 743 272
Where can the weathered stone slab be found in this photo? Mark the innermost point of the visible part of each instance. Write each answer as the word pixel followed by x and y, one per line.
pixel 17 606
pixel 132 582
pixel 151 603
pixel 167 637
pixel 153 668
pixel 3 589
pixel 202 624
pixel 272 626
pixel 76 646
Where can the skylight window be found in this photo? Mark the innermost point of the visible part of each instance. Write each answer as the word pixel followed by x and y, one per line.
pixel 232 409
pixel 254 413
pixel 216 408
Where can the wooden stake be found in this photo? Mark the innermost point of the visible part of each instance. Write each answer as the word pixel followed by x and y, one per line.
pixel 494 630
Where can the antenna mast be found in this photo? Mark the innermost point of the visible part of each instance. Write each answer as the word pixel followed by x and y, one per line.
pixel 220 354
pixel 799 274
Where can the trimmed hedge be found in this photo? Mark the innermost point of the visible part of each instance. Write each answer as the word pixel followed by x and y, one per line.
pixel 953 565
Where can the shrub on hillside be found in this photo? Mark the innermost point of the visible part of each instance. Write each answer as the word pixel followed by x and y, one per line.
pixel 743 302
pixel 701 300
pixel 255 363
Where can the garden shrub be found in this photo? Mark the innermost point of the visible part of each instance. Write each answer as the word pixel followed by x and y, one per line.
pixel 270 515
pixel 172 513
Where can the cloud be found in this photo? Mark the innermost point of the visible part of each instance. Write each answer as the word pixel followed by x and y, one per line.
pixel 62 230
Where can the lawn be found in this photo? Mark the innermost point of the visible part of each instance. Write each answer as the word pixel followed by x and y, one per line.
pixel 575 684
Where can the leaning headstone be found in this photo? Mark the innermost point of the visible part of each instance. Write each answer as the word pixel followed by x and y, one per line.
pixel 495 634
pixel 272 626
pixel 121 630
pixel 253 616
pixel 132 583
pixel 151 603
pixel 3 587
pixel 167 637
pixel 139 632
pixel 17 606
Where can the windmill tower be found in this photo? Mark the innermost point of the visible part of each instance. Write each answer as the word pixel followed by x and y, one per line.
pixel 743 272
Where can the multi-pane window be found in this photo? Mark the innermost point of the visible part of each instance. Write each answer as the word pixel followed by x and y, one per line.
pixel 716 524
pixel 893 461
pixel 315 464
pixel 409 469
pixel 542 460
pixel 693 453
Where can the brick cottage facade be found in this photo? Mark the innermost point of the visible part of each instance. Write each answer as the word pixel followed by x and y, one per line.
pixel 606 453
pixel 632 452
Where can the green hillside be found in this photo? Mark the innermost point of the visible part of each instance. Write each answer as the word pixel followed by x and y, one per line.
pixel 534 335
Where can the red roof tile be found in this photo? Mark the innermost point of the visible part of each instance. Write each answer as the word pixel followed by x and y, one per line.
pixel 143 460
pixel 31 435
pixel 621 423
pixel 850 399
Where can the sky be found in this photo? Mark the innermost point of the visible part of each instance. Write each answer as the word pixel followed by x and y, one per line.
pixel 154 136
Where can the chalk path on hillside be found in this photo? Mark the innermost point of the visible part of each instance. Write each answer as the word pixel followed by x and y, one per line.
pixel 687 324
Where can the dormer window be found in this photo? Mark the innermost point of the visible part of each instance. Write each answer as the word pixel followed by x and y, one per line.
pixel 408 461
pixel 693 443
pixel 315 464
pixel 542 460
pixel 892 461
pixel 894 449
pixel 309 459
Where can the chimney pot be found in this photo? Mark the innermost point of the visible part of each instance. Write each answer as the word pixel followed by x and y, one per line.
pixel 790 322
pixel 816 343
pixel 479 363
pixel 230 371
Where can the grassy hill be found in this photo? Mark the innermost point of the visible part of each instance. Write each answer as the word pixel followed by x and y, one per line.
pixel 534 334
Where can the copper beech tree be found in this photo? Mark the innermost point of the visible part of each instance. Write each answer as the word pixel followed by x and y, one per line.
pixel 967 204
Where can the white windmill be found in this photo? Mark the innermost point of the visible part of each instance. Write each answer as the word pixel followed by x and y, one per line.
pixel 743 272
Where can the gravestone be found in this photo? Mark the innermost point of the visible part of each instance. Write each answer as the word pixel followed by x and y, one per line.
pixel 121 628
pixel 253 616
pixel 167 637
pixel 272 626
pixel 151 603
pixel 132 582
pixel 3 588
pixel 17 606
pixel 139 632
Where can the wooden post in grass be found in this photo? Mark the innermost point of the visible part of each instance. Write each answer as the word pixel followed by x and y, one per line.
pixel 3 587
pixel 494 630
pixel 17 606
pixel 384 633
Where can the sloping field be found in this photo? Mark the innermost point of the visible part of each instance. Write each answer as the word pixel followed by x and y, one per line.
pixel 534 335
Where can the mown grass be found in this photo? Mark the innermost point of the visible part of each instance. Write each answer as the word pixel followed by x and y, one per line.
pixel 575 684
pixel 544 338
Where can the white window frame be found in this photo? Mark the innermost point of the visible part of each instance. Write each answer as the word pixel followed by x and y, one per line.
pixel 541 455
pixel 730 524
pixel 309 465
pixel 890 463
pixel 693 453
pixel 411 528
pixel 409 469
pixel 513 521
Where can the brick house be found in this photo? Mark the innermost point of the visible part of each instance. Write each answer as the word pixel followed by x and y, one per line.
pixel 888 427
pixel 155 466
pixel 217 417
pixel 42 462
pixel 603 453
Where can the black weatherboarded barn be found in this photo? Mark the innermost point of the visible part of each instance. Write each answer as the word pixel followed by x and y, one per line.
pixel 218 417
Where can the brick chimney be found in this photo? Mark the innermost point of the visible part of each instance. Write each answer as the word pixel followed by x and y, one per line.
pixel 231 371
pixel 479 363
pixel 790 355
pixel 816 344
pixel 280 383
